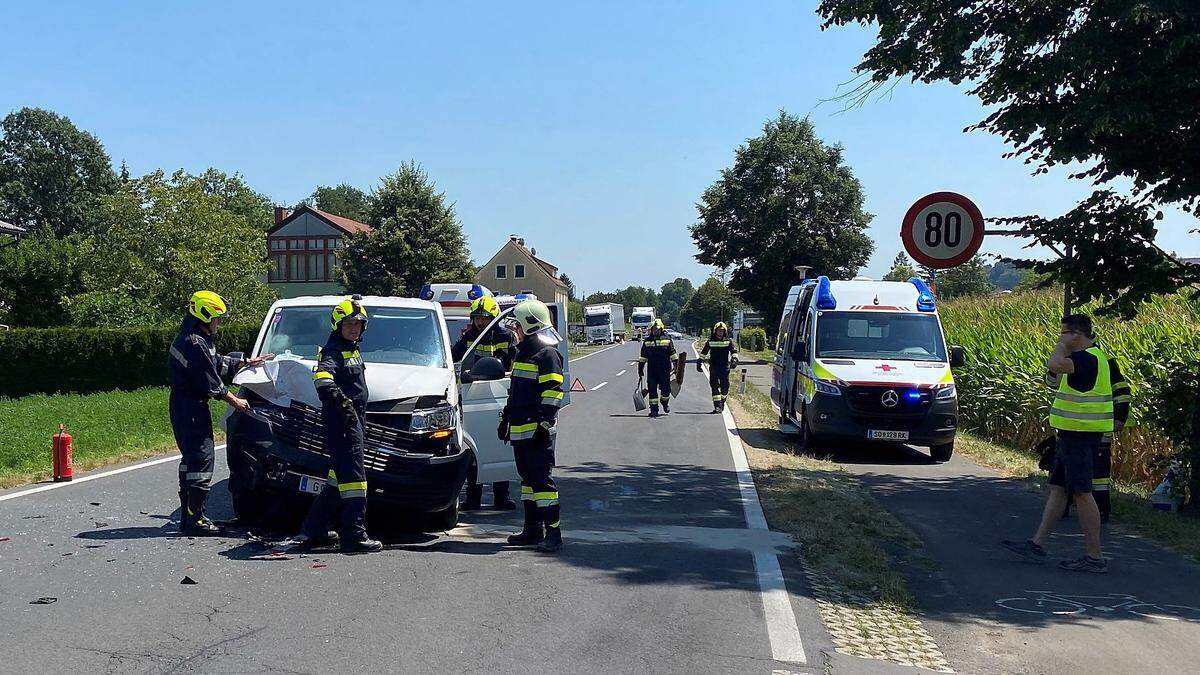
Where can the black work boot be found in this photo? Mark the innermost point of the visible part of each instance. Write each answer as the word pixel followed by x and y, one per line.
pixel 654 411
pixel 474 499
pixel 192 520
pixel 500 498
pixel 531 531
pixel 553 542
pixel 666 406
pixel 308 542
pixel 367 545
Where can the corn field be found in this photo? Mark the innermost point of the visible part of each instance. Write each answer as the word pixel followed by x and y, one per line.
pixel 1002 393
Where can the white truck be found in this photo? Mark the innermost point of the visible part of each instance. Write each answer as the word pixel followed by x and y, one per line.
pixel 640 319
pixel 604 324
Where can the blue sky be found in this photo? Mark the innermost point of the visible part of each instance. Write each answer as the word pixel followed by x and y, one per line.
pixel 589 128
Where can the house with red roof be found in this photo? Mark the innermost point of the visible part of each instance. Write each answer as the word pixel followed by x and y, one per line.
pixel 516 268
pixel 303 247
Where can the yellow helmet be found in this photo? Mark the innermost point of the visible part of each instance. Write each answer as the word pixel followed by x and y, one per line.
pixel 485 306
pixel 206 306
pixel 533 315
pixel 350 308
pixel 658 324
pixel 720 326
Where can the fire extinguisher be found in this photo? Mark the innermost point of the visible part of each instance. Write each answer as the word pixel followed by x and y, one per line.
pixel 63 470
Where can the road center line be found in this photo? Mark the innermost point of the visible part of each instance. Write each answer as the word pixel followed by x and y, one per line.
pixel 95 476
pixel 782 630
pixel 620 373
pixel 598 386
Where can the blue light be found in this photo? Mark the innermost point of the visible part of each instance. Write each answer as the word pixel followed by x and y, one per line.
pixel 825 299
pixel 475 293
pixel 925 300
pixel 912 395
pixel 426 292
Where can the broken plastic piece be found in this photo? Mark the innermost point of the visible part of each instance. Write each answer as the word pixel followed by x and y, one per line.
pixel 319 565
pixel 95 503
pixel 5 539
pixel 44 601
pixel 188 581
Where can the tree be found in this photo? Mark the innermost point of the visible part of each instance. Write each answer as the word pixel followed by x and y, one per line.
pixel 570 285
pixel 1108 86
pixel 235 196
pixel 788 200
pixel 902 269
pixel 574 311
pixel 35 275
pixel 712 302
pixel 672 298
pixel 159 239
pixel 969 278
pixel 52 174
pixel 1006 275
pixel 415 239
pixel 342 200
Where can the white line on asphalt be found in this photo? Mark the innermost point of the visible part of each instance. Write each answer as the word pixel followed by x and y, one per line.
pixel 598 351
pixel 94 476
pixel 782 630
pixel 598 386
pixel 620 373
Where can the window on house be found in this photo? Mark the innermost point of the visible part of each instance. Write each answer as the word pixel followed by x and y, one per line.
pixel 518 271
pixel 501 272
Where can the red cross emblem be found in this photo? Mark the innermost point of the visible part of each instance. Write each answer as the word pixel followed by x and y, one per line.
pixel 886 368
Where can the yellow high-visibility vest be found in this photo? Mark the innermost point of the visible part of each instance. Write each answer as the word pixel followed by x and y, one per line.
pixel 1091 410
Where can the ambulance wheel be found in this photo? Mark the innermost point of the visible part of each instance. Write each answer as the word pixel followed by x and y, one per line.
pixel 942 453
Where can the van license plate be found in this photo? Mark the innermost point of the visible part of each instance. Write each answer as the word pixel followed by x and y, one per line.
pixel 312 486
pixel 879 435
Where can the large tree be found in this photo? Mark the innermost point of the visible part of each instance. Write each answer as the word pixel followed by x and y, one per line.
pixel 158 240
pixel 712 302
pixel 969 278
pixel 415 239
pixel 902 269
pixel 237 197
pixel 52 174
pixel 341 200
pixel 35 275
pixel 1106 85
pixel 570 285
pixel 672 298
pixel 788 200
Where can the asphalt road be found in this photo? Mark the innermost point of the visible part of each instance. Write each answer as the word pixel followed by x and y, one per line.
pixel 660 572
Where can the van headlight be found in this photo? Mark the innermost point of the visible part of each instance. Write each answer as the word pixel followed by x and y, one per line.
pixel 824 387
pixel 947 392
pixel 429 419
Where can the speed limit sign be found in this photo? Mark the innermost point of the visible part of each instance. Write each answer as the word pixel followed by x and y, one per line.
pixel 942 230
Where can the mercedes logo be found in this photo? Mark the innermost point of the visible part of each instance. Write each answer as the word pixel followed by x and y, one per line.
pixel 889 399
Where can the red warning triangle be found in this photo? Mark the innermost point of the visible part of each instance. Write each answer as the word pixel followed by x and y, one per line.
pixel 577 385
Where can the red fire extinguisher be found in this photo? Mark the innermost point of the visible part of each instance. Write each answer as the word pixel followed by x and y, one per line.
pixel 63 470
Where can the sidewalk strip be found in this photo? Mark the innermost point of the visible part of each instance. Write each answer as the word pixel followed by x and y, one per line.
pixel 94 476
pixel 598 386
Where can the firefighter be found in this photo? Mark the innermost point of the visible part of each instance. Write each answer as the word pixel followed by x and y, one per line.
pixel 721 353
pixel 195 370
pixel 341 382
pixel 500 343
pixel 659 356
pixel 528 422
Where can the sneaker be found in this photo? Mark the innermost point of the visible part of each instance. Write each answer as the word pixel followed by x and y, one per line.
pixel 1029 551
pixel 1085 564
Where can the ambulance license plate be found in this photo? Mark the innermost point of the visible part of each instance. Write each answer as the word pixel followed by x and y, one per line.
pixel 880 435
pixel 312 486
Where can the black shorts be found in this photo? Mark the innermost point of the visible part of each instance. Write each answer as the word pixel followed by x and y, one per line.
pixel 1073 460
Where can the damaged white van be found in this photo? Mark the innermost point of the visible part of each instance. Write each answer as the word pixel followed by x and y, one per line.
pixel 866 361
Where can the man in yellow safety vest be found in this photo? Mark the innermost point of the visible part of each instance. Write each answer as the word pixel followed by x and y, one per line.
pixel 1082 413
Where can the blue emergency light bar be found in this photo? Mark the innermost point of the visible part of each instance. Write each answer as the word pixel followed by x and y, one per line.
pixel 825 299
pixel 426 292
pixel 925 300
pixel 475 293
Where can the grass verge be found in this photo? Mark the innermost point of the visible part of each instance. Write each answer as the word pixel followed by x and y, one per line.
pixel 106 428
pixel 845 535
pixel 1131 511
pixel 575 350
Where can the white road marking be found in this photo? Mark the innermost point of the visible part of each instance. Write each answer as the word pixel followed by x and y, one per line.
pixel 598 351
pixel 782 630
pixel 598 386
pixel 620 373
pixel 94 476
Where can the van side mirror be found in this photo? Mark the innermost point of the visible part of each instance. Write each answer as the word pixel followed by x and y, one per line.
pixel 958 356
pixel 800 351
pixel 487 368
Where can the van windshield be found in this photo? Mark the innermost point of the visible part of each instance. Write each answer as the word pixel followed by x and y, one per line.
pixel 401 335
pixel 880 335
pixel 598 319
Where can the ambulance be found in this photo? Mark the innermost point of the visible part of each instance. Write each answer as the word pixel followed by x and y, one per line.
pixel 865 361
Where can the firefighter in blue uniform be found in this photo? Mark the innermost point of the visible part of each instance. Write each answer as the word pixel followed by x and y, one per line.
pixel 341 382
pixel 528 422
pixel 721 353
pixel 195 370
pixel 499 342
pixel 658 356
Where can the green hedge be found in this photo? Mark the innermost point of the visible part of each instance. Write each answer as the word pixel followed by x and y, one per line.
pixel 87 360
pixel 752 339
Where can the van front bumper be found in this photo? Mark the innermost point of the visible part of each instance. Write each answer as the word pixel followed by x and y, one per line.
pixel 858 412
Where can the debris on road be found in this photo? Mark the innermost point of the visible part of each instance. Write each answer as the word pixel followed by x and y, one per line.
pixel 188 581
pixel 95 503
pixel 272 555
pixel 5 539
pixel 319 565
pixel 43 601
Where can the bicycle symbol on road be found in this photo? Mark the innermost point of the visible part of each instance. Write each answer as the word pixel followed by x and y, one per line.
pixel 1049 602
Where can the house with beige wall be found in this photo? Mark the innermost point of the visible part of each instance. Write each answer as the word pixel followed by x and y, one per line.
pixel 516 268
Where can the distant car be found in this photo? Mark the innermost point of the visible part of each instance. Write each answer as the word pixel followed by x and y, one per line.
pixel 674 335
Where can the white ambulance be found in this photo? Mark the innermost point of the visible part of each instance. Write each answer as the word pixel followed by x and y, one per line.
pixel 865 361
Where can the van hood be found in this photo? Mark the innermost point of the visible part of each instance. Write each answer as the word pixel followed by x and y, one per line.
pixel 885 372
pixel 288 379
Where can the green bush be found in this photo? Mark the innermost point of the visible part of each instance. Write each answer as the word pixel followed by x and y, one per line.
pixel 1001 390
pixel 86 360
pixel 752 339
